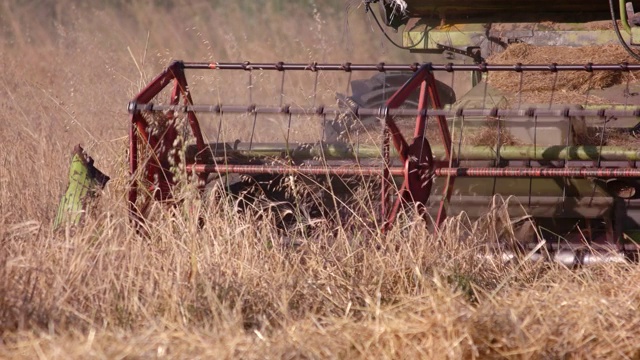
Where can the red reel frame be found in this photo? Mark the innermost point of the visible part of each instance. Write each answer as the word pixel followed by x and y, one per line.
pixel 417 157
pixel 158 173
pixel 418 164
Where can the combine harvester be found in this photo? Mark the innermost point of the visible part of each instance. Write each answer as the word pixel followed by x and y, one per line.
pixel 571 164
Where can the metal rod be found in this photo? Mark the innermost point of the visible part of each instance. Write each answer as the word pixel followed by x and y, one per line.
pixel 306 151
pixel 535 148
pixel 539 172
pixel 399 171
pixel 516 201
pixel 322 110
pixel 382 67
pixel 132 195
pixel 385 191
pixel 289 170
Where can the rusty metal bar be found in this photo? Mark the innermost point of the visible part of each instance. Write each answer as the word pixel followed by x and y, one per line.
pixel 515 200
pixel 289 170
pixel 382 67
pixel 539 172
pixel 322 110
pixel 489 163
pixel 399 171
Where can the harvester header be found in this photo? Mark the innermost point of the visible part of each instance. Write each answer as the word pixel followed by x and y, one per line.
pixel 431 139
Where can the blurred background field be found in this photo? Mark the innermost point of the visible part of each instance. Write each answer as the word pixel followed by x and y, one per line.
pixel 72 66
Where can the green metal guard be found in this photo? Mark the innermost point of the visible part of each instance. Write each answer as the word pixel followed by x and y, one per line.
pixel 84 183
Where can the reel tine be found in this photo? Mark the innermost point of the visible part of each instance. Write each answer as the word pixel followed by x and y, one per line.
pixel 384 85
pixel 604 130
pixel 453 77
pixel 520 88
pixel 535 151
pixel 498 160
pixel 627 93
pixel 384 96
pixel 282 87
pixel 253 130
pixel 566 158
pixel 460 139
pixel 462 118
pixel 484 95
pixel 315 96
pixel 348 82
pixel 250 86
pixel 219 130
pixel 590 83
pixel 315 89
pixel 553 69
pixel 324 125
pixel 224 148
pixel 599 159
pixel 289 130
pixel 385 183
pixel 358 147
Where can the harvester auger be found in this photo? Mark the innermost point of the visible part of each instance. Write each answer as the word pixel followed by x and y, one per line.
pixel 572 165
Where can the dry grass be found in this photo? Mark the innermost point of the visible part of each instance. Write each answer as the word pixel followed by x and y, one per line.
pixel 237 288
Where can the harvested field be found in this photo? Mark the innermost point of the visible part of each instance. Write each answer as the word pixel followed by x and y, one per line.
pixel 567 87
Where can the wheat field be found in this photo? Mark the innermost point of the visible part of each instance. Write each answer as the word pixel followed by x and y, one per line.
pixel 237 288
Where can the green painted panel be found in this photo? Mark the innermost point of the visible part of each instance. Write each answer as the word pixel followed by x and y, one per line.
pixel 84 181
